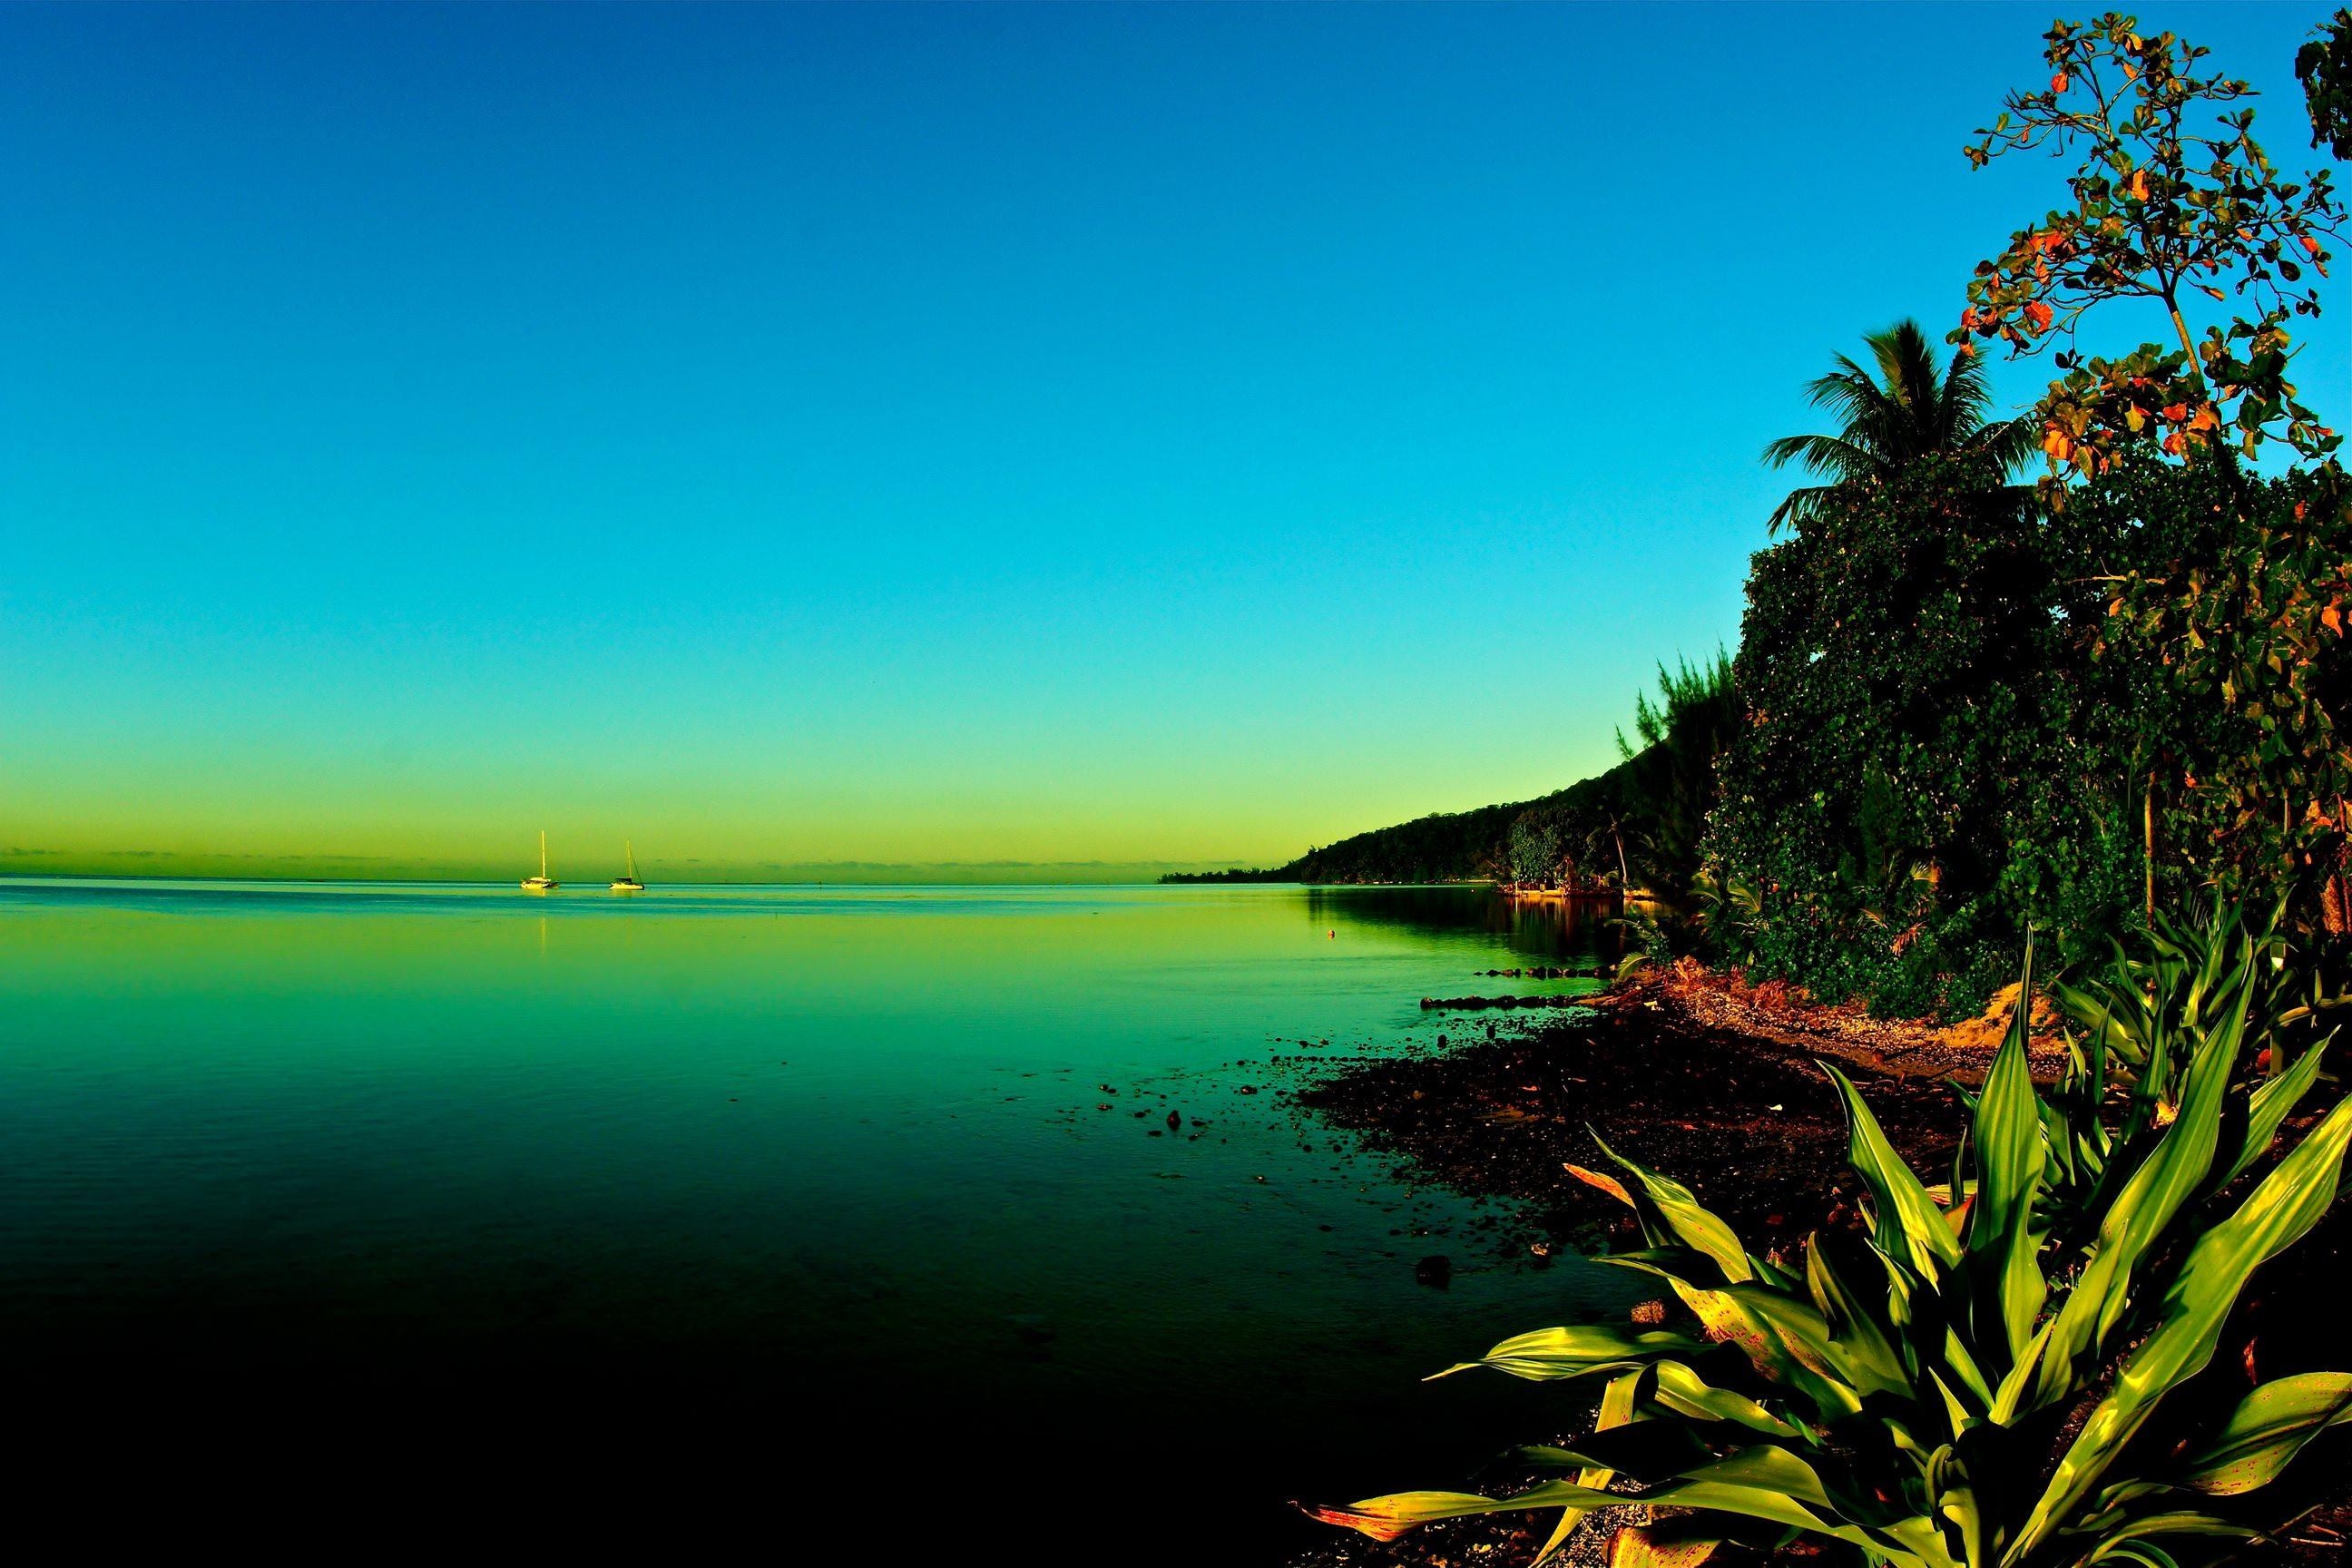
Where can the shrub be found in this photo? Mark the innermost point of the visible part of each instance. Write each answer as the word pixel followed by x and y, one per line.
pixel 2023 1374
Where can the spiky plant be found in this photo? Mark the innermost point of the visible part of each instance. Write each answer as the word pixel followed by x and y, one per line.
pixel 2138 1018
pixel 2189 969
pixel 1959 1388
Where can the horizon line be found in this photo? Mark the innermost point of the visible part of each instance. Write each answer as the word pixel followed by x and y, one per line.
pixel 592 885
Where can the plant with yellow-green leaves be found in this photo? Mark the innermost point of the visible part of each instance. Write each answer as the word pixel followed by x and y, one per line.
pixel 1974 1383
pixel 2134 1010
pixel 2137 1018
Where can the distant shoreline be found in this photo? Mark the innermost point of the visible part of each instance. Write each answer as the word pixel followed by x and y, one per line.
pixel 588 883
pixel 1183 878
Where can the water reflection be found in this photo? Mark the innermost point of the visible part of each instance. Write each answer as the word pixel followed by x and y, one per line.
pixel 1542 930
pixel 390 1170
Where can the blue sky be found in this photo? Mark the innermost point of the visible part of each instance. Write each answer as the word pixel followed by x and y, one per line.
pixel 932 434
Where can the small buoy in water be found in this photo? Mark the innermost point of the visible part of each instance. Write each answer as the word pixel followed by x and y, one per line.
pixel 1334 936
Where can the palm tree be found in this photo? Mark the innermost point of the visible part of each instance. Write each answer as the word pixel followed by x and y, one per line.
pixel 1909 410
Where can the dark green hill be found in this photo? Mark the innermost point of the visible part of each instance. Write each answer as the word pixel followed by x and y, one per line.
pixel 1447 847
pixel 1637 825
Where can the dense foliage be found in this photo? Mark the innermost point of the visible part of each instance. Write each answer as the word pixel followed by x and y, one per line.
pixel 1670 780
pixel 2323 66
pixel 1963 710
pixel 1967 715
pixel 1964 707
pixel 1910 411
pixel 2218 674
pixel 1447 847
pixel 1638 824
pixel 1900 725
pixel 2036 1364
pixel 1972 709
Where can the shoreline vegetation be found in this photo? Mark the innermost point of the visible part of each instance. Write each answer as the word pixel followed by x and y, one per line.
pixel 1698 1071
pixel 1474 846
pixel 1997 941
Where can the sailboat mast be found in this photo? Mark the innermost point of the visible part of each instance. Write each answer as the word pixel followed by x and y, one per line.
pixel 629 851
pixel 542 851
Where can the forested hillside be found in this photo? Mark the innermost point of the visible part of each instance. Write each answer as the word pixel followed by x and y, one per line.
pixel 1445 847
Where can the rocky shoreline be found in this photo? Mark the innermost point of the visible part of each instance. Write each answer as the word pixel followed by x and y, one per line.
pixel 1748 1122
pixel 1699 1077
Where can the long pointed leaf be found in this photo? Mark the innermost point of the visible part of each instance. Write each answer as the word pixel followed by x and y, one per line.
pixel 2268 1429
pixel 1683 1214
pixel 2003 1248
pixel 2269 1107
pixel 2288 1202
pixel 1906 1221
pixel 1616 1410
pixel 2140 1215
pixel 1548 1354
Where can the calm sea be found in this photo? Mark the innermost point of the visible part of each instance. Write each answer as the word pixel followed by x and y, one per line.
pixel 793 1210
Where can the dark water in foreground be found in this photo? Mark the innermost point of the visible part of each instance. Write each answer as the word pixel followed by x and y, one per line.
pixel 783 1211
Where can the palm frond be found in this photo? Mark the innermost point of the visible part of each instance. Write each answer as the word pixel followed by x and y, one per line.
pixel 1907 366
pixel 1912 407
pixel 1848 392
pixel 1831 456
pixel 1800 508
pixel 2010 444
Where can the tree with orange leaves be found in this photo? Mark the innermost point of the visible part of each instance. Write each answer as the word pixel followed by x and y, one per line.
pixel 2174 202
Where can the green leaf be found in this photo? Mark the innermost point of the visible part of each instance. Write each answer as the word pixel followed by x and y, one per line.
pixel 2009 1399
pixel 1864 1346
pixel 1905 1220
pixel 2267 1429
pixel 2288 1202
pixel 1387 1518
pixel 1617 1407
pixel 1683 1393
pixel 2003 1249
pixel 2270 1106
pixel 1783 1338
pixel 2132 1542
pixel 2141 1214
pixel 1678 1209
pixel 1548 1354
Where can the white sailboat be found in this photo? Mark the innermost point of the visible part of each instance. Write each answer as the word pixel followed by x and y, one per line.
pixel 543 883
pixel 627 883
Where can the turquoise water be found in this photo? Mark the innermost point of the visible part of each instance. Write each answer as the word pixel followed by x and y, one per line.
pixel 763 1183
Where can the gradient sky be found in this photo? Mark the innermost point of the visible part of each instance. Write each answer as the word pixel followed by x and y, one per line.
pixel 796 435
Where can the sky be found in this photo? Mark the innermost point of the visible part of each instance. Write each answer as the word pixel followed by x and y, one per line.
pixel 869 442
